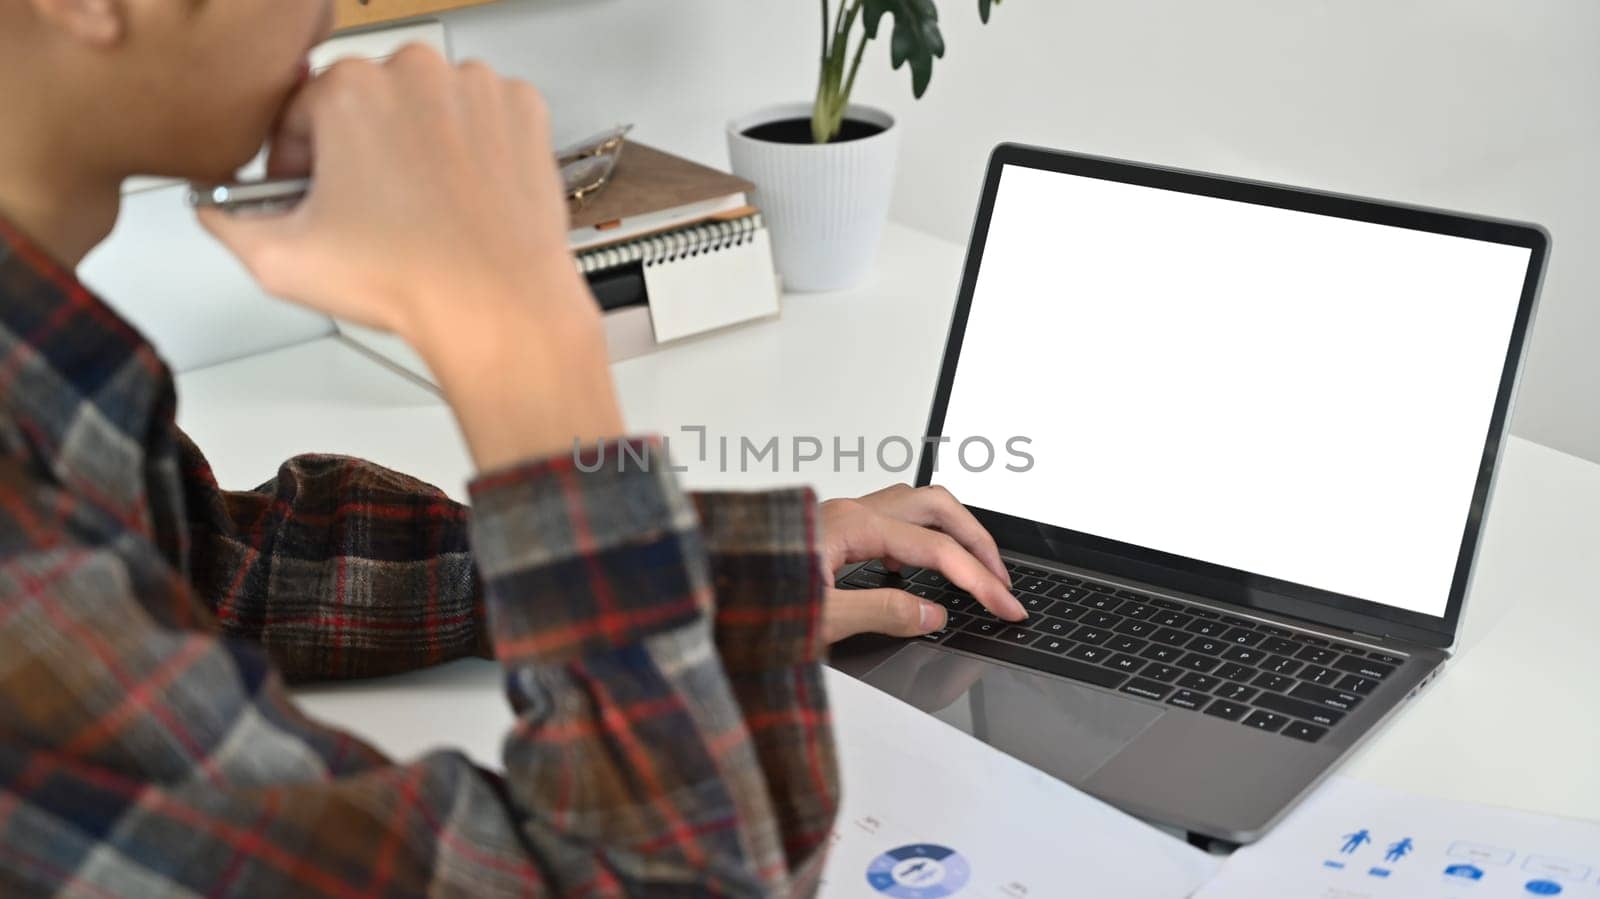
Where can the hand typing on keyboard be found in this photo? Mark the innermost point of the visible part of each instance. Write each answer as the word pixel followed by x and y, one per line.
pixel 921 527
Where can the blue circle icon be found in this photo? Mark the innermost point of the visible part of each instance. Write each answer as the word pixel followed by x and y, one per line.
pixel 919 871
pixel 1542 887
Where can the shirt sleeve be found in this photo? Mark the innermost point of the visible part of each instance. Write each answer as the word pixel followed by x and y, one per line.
pixel 338 567
pixel 140 753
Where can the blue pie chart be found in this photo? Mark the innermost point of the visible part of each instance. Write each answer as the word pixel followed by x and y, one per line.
pixel 919 871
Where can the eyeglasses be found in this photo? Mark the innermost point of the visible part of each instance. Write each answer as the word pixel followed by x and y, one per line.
pixel 587 166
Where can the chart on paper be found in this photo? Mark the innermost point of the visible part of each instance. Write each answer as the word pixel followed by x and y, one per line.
pixel 1352 840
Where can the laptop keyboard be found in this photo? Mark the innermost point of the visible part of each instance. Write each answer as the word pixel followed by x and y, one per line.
pixel 1256 674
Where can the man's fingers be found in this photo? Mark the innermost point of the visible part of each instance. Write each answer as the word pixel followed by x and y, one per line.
pixel 916 545
pixel 253 238
pixel 936 507
pixel 882 611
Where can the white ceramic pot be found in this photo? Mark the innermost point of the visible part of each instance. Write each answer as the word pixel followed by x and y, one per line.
pixel 826 204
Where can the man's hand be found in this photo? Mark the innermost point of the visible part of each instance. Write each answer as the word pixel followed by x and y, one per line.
pixel 925 528
pixel 437 213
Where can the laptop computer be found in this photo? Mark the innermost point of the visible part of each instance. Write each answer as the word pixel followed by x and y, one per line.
pixel 1236 442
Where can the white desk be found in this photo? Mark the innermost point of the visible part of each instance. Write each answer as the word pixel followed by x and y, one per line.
pixel 1510 722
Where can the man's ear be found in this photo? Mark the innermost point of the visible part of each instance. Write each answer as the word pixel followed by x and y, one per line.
pixel 98 23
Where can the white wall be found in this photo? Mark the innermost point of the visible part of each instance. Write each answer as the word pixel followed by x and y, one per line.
pixel 1484 105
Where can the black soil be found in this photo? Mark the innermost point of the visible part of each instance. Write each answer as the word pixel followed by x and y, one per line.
pixel 798 131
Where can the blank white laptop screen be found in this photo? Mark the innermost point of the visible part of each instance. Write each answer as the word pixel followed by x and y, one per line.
pixel 1284 393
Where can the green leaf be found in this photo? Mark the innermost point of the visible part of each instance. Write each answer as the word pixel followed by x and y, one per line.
pixel 916 39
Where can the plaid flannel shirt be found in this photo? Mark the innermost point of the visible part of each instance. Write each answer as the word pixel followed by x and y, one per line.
pixel 661 653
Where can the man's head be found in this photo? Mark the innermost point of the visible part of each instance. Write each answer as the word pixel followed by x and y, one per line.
pixel 182 88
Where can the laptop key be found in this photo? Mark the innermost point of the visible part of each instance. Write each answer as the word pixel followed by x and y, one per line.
pixel 1244 655
pixel 1364 667
pixel 1317 655
pixel 1171 637
pixel 1067 611
pixel 1333 699
pixel 1281 665
pixel 1027 570
pixel 1241 637
pixel 1034 602
pixel 1165 603
pixel 1149 689
pixel 1356 684
pixel 1315 714
pixel 957 603
pixel 1236 621
pixel 986 627
pixel 1101 602
pixel 1020 636
pixel 1325 677
pixel 1236 692
pixel 1032 584
pixel 1208 646
pixel 1134 610
pixel 1058 645
pixel 1122 643
pixel 1053 626
pixel 923 591
pixel 1158 671
pixel 868 580
pixel 1207 628
pixel 1092 635
pixel 1188 699
pixel 1266 680
pixel 1202 613
pixel 1125 663
pixel 1235 671
pixel 1161 652
pixel 1386 659
pixel 1065 591
pixel 1038 661
pixel 1099 619
pixel 1273 631
pixel 1171 619
pixel 1303 731
pixel 1089 653
pixel 1195 662
pixel 1308 640
pixel 1066 579
pixel 1135 628
pixel 1196 681
pixel 1281 646
pixel 1222 708
pixel 931 578
pixel 1267 721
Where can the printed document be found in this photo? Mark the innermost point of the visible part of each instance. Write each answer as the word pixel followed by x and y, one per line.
pixel 930 812
pixel 1354 840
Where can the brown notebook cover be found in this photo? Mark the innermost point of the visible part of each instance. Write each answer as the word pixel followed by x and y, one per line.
pixel 647 180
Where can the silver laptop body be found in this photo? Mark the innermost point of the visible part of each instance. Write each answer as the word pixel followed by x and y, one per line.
pixel 1241 441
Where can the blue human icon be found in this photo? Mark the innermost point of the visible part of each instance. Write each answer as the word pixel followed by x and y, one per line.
pixel 1398 851
pixel 1354 841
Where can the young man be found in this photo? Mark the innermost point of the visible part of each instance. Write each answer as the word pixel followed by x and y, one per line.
pixel 661 650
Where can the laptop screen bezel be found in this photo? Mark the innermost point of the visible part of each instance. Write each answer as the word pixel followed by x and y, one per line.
pixel 1231 585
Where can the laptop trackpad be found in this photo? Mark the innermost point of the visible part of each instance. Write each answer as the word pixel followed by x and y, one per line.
pixel 1059 727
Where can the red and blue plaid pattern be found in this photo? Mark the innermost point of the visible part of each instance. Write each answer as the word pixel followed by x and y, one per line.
pixel 661 652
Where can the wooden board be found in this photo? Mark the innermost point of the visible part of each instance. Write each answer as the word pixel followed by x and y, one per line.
pixel 359 13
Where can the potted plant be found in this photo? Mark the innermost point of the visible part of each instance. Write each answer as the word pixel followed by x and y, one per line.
pixel 824 170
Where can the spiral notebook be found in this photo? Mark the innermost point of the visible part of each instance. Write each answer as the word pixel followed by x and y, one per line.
pixel 693 279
